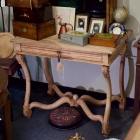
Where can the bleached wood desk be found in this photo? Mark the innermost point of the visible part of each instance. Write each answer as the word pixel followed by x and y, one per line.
pixel 51 47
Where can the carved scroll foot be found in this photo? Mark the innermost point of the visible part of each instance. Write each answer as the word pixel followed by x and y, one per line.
pixel 105 129
pixel 27 112
pixel 50 90
pixel 122 104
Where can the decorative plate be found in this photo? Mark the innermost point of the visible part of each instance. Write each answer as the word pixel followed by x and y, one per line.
pixel 117 28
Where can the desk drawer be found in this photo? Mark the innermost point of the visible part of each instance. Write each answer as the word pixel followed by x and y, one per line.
pixel 51 53
pixel 82 57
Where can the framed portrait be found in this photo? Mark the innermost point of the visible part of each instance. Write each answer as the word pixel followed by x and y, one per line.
pixel 81 21
pixel 96 25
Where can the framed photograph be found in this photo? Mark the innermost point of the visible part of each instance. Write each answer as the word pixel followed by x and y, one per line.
pixel 96 25
pixel 81 21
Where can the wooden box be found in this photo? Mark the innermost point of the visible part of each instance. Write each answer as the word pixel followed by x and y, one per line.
pixel 34 31
pixel 35 15
pixel 105 39
pixel 27 3
pixel 75 38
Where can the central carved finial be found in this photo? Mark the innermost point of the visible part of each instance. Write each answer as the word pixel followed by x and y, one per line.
pixel 75 97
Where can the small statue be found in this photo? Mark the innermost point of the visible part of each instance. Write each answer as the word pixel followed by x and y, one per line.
pixel 76 137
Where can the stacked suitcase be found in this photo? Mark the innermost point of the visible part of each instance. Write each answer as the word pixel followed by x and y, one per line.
pixel 33 19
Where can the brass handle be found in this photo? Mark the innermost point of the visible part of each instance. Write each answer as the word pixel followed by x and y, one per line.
pixel 25 15
pixel 24 30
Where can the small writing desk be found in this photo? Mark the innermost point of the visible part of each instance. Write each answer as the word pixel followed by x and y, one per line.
pixel 51 47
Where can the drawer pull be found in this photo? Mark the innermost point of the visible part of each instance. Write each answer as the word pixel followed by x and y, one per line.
pixel 24 30
pixel 25 15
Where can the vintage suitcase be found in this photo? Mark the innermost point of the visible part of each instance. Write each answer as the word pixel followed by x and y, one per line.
pixel 75 38
pixel 35 15
pixel 34 31
pixel 105 39
pixel 27 3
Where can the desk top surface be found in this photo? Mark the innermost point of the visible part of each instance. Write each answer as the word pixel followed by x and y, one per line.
pixel 54 43
pixel 51 46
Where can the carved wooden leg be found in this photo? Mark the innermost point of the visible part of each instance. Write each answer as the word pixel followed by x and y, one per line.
pixel 105 125
pixel 51 86
pixel 26 110
pixel 48 77
pixel 121 81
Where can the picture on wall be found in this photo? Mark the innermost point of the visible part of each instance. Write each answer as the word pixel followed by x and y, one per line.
pixel 96 25
pixel 81 21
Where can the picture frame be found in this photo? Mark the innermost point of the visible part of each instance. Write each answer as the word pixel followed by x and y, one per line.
pixel 96 25
pixel 81 21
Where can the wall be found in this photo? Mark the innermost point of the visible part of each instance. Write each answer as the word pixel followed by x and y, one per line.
pixel 87 76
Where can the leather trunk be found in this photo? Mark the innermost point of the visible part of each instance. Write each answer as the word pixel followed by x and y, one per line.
pixel 35 15
pixel 34 31
pixel 27 3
